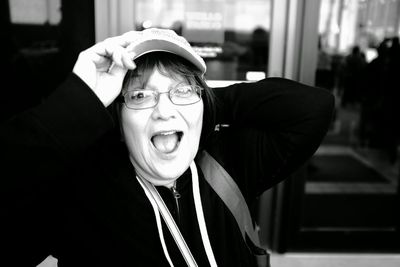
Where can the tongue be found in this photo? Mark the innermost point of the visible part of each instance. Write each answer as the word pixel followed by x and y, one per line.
pixel 165 143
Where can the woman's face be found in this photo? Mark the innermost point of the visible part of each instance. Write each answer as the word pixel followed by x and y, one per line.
pixel 163 140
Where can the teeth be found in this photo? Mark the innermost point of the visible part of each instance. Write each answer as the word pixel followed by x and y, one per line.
pixel 167 133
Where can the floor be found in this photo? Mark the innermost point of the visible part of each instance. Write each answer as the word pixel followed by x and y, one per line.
pixel 49 262
pixel 335 260
pixel 342 140
pixel 369 157
pixel 313 260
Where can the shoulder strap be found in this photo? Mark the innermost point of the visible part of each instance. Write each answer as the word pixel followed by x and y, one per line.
pixel 226 188
pixel 229 192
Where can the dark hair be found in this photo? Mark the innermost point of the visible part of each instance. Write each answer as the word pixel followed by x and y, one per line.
pixel 174 66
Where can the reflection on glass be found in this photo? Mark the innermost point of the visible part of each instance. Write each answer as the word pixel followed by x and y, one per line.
pixel 35 11
pixel 353 179
pixel 232 36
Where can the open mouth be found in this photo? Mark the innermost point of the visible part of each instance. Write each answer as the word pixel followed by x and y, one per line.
pixel 167 142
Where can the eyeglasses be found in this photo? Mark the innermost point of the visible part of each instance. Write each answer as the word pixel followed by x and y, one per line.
pixel 181 95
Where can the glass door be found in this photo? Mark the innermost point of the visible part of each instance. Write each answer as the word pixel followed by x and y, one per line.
pixel 346 197
pixel 233 36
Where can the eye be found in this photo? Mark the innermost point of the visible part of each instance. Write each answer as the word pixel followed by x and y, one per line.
pixel 138 96
pixel 184 91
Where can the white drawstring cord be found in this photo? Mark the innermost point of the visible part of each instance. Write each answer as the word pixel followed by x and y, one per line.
pixel 158 220
pixel 173 228
pixel 200 216
pixel 200 219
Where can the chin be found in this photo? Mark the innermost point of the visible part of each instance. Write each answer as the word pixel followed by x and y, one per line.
pixel 172 171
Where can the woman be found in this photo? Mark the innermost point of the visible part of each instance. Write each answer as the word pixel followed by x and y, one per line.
pixel 81 166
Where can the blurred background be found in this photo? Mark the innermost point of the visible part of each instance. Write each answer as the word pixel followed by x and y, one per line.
pixel 342 207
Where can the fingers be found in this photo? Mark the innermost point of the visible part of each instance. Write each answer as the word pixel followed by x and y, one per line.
pixel 127 59
pixel 125 62
pixel 113 51
pixel 119 55
pixel 115 47
pixel 116 70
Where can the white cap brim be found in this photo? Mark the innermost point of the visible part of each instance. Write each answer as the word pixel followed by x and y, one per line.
pixel 152 40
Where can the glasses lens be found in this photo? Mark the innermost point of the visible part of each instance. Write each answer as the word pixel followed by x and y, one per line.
pixel 185 94
pixel 140 99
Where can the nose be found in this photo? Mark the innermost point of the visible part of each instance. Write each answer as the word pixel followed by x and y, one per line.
pixel 164 109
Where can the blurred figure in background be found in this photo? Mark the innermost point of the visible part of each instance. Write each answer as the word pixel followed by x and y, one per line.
pixel 259 47
pixel 379 119
pixel 392 101
pixel 353 68
pixel 324 76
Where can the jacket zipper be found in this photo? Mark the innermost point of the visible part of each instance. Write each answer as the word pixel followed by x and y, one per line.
pixel 177 196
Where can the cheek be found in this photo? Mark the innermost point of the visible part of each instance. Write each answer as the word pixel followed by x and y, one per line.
pixel 194 119
pixel 199 124
pixel 133 128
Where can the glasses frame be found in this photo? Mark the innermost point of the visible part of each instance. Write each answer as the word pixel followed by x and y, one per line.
pixel 198 90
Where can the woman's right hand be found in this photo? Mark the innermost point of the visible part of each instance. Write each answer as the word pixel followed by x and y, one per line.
pixel 103 66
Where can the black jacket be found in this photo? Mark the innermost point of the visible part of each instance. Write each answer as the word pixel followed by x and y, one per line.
pixel 69 190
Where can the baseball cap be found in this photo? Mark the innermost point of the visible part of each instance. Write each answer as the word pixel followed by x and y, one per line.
pixel 156 39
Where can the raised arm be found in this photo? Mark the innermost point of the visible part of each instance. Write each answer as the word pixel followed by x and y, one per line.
pixel 275 125
pixel 67 117
pixel 40 149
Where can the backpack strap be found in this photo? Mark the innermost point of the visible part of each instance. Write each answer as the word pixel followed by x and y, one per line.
pixel 226 188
